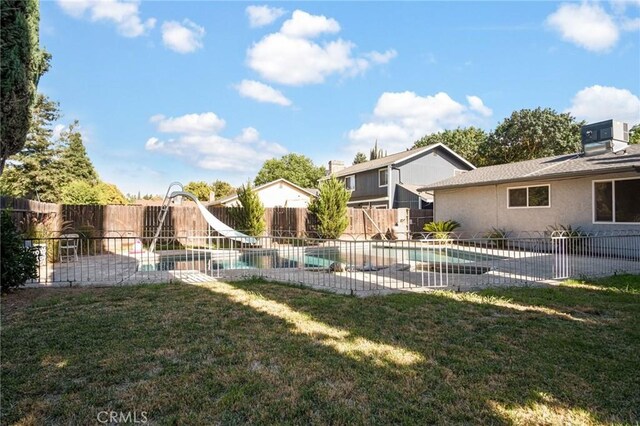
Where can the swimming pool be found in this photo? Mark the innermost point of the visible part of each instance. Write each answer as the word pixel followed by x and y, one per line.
pixel 370 257
pixel 250 259
pixel 437 254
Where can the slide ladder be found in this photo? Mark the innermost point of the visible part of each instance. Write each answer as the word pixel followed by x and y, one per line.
pixel 163 213
pixel 215 223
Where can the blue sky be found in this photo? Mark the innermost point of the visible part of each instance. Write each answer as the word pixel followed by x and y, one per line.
pixel 204 90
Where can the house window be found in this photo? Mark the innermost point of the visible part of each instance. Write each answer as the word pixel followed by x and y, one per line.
pixel 616 201
pixel 529 196
pixel 383 177
pixel 350 183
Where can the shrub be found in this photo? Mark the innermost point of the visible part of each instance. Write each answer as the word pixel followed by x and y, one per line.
pixel 330 207
pixel 250 214
pixel 441 229
pixel 19 263
pixel 498 237
pixel 80 192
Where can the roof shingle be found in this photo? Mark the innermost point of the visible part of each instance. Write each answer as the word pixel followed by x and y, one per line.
pixel 545 168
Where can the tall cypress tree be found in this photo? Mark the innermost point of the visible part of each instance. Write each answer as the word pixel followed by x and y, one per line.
pixel 330 207
pixel 250 214
pixel 23 63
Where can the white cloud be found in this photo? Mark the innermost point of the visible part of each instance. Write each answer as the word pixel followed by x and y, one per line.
pixel 291 57
pixel 207 122
pixel 259 16
pixel 305 25
pixel 185 37
pixel 382 58
pixel 248 135
pixel 598 103
pixel 124 14
pixel 476 104
pixel 589 26
pixel 153 144
pixel 200 143
pixel 401 118
pixel 262 92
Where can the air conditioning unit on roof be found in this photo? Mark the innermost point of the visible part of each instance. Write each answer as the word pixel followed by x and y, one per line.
pixel 605 136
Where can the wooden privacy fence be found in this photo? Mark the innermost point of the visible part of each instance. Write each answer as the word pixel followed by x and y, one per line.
pixel 143 221
pixel 29 212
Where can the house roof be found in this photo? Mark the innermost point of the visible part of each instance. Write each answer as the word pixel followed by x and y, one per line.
pixel 413 189
pixel 309 192
pixel 546 168
pixel 394 159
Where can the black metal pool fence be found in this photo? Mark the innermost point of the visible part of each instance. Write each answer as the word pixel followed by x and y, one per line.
pixel 347 265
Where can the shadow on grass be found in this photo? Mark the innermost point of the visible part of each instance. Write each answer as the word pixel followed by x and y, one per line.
pixel 268 353
pixel 527 352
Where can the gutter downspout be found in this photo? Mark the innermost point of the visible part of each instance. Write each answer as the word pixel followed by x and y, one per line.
pixel 390 185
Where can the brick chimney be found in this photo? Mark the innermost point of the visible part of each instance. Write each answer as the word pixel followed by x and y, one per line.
pixel 335 166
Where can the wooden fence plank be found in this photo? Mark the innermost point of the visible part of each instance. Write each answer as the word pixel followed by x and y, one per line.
pixel 135 220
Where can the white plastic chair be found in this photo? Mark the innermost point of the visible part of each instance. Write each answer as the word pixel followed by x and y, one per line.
pixel 68 248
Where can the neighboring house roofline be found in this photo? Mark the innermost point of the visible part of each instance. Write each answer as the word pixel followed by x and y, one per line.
pixel 543 169
pixel 266 185
pixel 533 178
pixel 414 189
pixel 434 146
pixel 394 159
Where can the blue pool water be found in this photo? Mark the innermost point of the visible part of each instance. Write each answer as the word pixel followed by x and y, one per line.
pixel 379 255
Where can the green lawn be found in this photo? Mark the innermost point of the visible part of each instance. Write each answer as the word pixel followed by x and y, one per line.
pixel 269 353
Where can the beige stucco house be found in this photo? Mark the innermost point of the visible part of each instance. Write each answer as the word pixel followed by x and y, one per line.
pixel 596 192
pixel 278 193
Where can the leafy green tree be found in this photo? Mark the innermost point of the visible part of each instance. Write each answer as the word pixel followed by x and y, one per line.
pixel 73 157
pixel 222 189
pixel 634 134
pixel 19 263
pixel 465 142
pixel 330 207
pixel 249 215
pixel 296 168
pixel 23 63
pixel 200 189
pixel 359 158
pixel 528 134
pixel 35 171
pixel 81 192
pixel 110 194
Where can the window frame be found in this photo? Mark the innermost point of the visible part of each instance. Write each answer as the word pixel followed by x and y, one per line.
pixel 349 178
pixel 613 201
pixel 548 206
pixel 387 172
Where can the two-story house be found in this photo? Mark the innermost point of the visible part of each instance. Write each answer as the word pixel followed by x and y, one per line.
pixel 392 181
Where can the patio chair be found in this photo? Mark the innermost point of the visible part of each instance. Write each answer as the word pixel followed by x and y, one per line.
pixel 68 247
